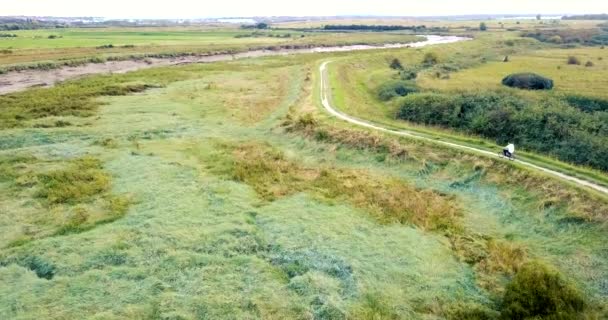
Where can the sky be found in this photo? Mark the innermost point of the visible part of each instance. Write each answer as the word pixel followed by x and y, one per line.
pixel 249 8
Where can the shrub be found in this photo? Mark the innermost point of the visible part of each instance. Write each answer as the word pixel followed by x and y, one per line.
pixel 396 64
pixel 53 36
pixel 587 104
pixel 530 81
pixel 430 58
pixel 43 269
pixel 573 60
pixel 556 39
pixel 538 291
pixel 408 74
pixel 589 64
pixel 483 26
pixel 392 89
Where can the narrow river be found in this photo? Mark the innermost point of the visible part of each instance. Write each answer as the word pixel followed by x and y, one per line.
pixel 21 80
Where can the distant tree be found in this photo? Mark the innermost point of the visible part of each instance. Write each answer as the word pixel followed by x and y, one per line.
pixel 396 64
pixel 261 25
pixel 483 26
pixel 538 16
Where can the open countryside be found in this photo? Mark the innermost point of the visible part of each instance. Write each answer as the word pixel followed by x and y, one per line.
pixel 318 167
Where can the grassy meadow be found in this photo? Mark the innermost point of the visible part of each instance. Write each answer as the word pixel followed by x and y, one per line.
pixel 223 191
pixel 474 68
pixel 46 45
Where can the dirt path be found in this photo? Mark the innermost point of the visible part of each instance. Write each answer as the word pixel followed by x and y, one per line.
pixel 325 101
pixel 22 80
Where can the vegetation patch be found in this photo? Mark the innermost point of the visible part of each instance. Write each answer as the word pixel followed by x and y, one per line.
pixel 587 104
pixel 529 81
pixel 73 196
pixel 539 291
pixel 272 176
pixel 595 36
pixel 395 88
pixel 549 126
pixel 81 180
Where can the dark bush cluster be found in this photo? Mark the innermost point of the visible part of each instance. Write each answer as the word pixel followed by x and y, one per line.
pixel 553 126
pixel 392 89
pixel 540 292
pixel 587 104
pixel 365 27
pixel 570 36
pixel 573 60
pixel 529 81
pixel 8 35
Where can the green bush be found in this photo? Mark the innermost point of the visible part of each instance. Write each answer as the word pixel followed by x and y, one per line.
pixel 530 81
pixel 396 64
pixel 483 26
pixel 42 268
pixel 573 60
pixel 541 292
pixel 430 58
pixel 587 104
pixel 392 89
pixel 561 128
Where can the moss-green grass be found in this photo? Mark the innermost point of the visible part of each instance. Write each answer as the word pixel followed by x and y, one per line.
pixel 198 241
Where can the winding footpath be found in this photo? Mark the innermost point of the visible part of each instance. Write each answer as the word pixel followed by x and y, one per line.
pixel 325 101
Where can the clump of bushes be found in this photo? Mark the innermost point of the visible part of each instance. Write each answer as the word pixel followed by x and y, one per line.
pixel 541 292
pixel 587 104
pixel 105 46
pixel 430 58
pixel 483 26
pixel 556 39
pixel 574 60
pixel 589 64
pixel 550 126
pixel 530 81
pixel 396 88
pixel 8 35
pixel 43 269
pixel 396 64
pixel 53 36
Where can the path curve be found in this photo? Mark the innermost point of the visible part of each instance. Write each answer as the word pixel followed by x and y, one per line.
pixel 325 101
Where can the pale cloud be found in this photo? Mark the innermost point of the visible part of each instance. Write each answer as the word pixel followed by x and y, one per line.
pixel 248 8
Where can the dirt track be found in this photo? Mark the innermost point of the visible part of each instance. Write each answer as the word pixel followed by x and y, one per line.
pixel 21 80
pixel 325 101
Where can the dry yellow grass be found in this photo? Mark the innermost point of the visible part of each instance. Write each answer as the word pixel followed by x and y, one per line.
pixel 569 79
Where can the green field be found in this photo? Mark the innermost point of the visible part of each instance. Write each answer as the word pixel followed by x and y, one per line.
pixel 224 191
pixel 35 46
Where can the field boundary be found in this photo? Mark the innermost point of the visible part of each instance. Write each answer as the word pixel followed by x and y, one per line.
pixel 325 102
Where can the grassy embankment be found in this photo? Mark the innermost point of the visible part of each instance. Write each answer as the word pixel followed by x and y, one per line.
pixel 355 81
pixel 242 205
